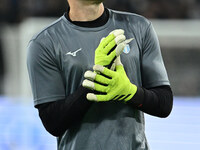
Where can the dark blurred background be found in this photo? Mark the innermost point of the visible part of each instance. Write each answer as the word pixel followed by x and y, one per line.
pixel 14 11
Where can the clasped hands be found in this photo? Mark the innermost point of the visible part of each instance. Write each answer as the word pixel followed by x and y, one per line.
pixel 109 80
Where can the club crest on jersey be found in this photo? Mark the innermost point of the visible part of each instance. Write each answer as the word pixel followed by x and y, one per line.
pixel 127 49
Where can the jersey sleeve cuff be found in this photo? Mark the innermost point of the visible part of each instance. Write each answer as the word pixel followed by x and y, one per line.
pixel 48 99
pixel 138 98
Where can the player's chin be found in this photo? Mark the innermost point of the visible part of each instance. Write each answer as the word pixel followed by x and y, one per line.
pixel 97 1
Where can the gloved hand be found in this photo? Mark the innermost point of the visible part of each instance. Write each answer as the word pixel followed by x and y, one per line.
pixel 110 48
pixel 114 84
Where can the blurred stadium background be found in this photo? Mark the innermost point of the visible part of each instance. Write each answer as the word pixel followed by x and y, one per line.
pixel 177 23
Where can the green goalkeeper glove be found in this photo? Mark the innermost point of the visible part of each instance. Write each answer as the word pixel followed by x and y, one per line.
pixel 115 84
pixel 110 48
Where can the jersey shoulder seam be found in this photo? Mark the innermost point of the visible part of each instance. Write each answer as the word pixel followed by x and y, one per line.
pixel 46 28
pixel 129 14
pixel 48 99
pixel 159 82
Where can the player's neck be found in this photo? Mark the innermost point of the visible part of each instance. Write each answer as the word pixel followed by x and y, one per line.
pixel 85 12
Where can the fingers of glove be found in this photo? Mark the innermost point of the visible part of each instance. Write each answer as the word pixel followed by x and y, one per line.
pixel 88 84
pixel 94 86
pixel 118 61
pixel 97 98
pixel 107 40
pixel 112 57
pixel 119 49
pixel 120 68
pixel 100 88
pixel 117 32
pixel 101 79
pixel 92 97
pixel 102 39
pixel 111 36
pixel 113 66
pixel 111 46
pixel 104 71
pixel 90 75
pixel 119 39
pixel 129 40
pixel 93 76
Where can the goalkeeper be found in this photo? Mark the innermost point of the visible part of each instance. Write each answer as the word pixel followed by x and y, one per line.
pixel 92 93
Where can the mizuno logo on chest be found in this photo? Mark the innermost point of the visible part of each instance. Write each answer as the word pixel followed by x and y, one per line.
pixel 73 53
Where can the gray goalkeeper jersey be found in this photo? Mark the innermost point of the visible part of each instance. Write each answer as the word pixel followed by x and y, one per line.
pixel 59 56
